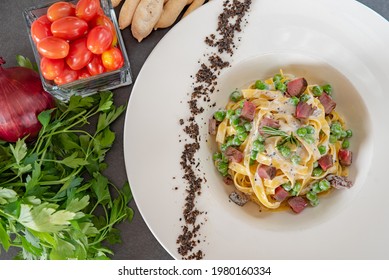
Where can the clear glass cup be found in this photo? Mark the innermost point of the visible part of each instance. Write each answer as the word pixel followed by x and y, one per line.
pixel 87 86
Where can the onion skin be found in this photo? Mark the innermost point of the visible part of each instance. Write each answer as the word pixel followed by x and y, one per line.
pixel 22 99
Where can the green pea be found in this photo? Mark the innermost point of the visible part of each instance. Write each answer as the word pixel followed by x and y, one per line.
pixel 236 95
pixel 315 164
pixel 242 136
pixel 236 141
pixel 314 202
pixel 317 91
pixel 287 186
pixel 223 147
pixel 304 97
pixel 309 139
pixel 230 113
pixel 322 149
pixel 277 77
pixel 327 89
pixel 229 141
pixel 317 172
pixel 343 134
pixel 295 190
pixel 235 120
pixel 294 100
pixel 219 115
pixel 281 87
pixel 312 196
pixel 240 129
pixel 316 187
pixel 310 129
pixel 252 161
pixel 223 168
pixel 324 185
pixel 258 146
pixel 333 139
pixel 260 138
pixel 260 85
pixel 284 150
pixel 302 131
pixel 217 156
pixel 238 111
pixel 247 126
pixel 336 128
pixel 295 159
pixel 346 144
pixel 349 133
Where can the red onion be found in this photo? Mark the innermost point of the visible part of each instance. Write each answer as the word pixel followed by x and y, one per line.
pixel 22 98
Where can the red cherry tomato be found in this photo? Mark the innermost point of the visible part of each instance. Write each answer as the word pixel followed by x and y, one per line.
pixel 52 47
pixel 51 68
pixel 99 39
pixel 40 29
pixel 112 59
pixel 95 66
pixel 59 10
pixel 69 28
pixel 103 20
pixel 87 9
pixel 79 55
pixel 83 73
pixel 68 75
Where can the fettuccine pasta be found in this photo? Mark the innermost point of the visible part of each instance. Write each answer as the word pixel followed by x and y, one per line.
pixel 282 143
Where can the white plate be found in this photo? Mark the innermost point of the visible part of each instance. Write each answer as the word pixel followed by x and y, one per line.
pixel 320 36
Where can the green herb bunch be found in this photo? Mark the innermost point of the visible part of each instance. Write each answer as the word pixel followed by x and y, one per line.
pixel 55 202
pixel 286 138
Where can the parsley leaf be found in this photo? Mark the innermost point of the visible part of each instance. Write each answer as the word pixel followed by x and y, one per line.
pixel 55 201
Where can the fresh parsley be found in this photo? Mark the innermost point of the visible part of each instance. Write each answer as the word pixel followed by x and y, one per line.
pixel 55 202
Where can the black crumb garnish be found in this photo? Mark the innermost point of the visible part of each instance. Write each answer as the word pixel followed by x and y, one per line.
pixel 230 22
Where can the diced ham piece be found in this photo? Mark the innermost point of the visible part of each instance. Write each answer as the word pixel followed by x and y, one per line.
pixel 326 162
pixel 327 103
pixel 280 194
pixel 304 110
pixel 212 126
pixel 339 182
pixel 233 154
pixel 248 111
pixel 228 180
pixel 266 121
pixel 296 87
pixel 266 172
pixel 345 157
pixel 238 198
pixel 297 204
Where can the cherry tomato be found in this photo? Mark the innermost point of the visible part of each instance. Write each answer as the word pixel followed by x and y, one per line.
pixel 68 75
pixel 112 59
pixel 87 9
pixel 51 68
pixel 95 66
pixel 53 47
pixel 69 28
pixel 59 10
pixel 83 73
pixel 103 20
pixel 99 39
pixel 79 55
pixel 40 29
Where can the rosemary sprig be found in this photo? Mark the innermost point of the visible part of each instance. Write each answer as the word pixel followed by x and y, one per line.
pixel 271 132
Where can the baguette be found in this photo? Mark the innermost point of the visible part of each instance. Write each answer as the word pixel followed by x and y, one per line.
pixel 145 17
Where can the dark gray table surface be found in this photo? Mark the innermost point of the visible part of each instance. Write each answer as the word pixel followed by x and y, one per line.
pixel 138 241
